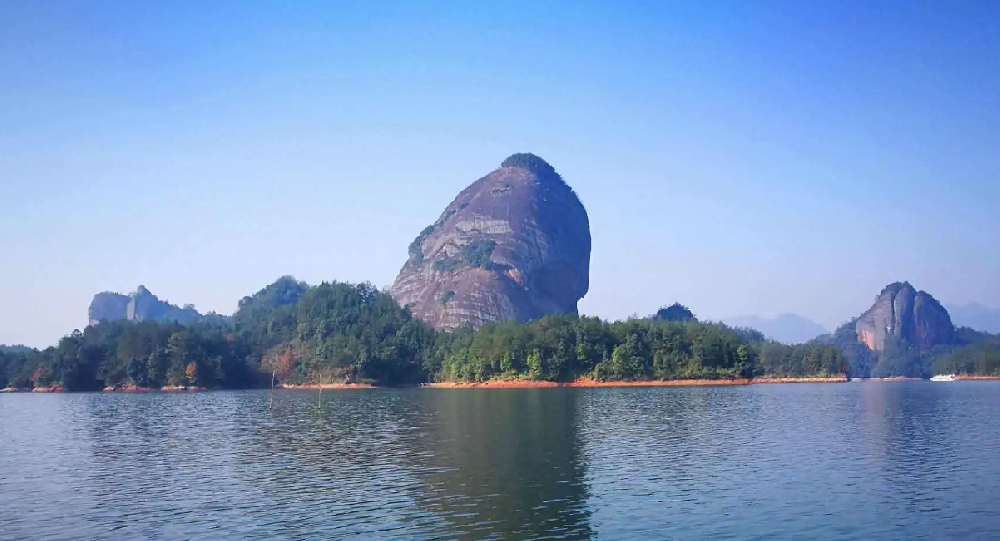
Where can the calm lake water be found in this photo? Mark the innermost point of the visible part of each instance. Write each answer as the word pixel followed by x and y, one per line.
pixel 906 460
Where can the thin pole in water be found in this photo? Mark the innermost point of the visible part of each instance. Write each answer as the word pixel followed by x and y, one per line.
pixel 270 395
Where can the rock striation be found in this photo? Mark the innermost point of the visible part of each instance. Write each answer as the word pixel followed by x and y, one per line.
pixel 902 311
pixel 142 305
pixel 514 244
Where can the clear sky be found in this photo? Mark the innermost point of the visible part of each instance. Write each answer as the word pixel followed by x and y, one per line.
pixel 739 157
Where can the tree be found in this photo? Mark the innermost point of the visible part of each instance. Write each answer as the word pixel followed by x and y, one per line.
pixel 477 253
pixel 534 364
pixel 674 312
pixel 354 332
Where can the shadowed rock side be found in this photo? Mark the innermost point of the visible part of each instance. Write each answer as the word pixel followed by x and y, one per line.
pixel 902 311
pixel 513 245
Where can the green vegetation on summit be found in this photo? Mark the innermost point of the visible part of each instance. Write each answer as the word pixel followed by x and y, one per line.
pixel 530 162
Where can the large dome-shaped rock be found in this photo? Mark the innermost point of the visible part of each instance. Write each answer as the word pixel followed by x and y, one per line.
pixel 515 245
pixel 902 311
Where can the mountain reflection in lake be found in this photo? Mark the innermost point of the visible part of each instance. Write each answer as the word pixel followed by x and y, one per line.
pixel 850 461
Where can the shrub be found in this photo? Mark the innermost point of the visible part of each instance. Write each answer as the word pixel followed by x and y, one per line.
pixel 448 264
pixel 477 253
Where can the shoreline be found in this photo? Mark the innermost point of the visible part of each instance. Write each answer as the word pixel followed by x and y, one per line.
pixel 319 386
pixel 582 383
pixel 835 379
pixel 894 378
pixel 164 389
pixel 591 384
pixel 33 390
pixel 126 389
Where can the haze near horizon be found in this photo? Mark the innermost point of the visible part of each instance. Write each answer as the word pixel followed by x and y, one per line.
pixel 780 157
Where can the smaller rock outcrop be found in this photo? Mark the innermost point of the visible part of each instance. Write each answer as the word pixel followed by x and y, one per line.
pixel 142 305
pixel 902 311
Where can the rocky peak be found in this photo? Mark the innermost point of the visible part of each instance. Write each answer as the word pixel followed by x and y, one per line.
pixel 515 244
pixel 107 306
pixel 142 305
pixel 902 311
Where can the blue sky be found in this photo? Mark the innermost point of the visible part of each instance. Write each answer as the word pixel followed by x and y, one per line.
pixel 739 157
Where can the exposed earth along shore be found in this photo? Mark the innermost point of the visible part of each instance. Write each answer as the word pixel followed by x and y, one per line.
pixel 589 383
pixel 326 386
pixel 520 384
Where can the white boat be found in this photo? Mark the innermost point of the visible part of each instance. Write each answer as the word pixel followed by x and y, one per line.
pixel 944 377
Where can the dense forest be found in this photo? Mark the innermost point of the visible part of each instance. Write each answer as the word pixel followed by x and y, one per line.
pixel 145 354
pixel 567 347
pixel 338 332
pixel 974 353
pixel 981 358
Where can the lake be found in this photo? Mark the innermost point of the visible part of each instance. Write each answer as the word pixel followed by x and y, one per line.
pixel 871 460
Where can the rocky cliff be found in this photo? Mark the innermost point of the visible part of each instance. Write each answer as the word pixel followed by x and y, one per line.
pixel 902 311
pixel 515 244
pixel 142 306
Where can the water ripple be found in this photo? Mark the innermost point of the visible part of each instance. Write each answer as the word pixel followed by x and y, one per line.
pixel 855 461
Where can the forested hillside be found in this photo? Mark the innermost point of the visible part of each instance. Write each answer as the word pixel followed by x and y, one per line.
pixel 978 358
pixel 338 332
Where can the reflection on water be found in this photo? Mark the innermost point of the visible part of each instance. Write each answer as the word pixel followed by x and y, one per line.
pixel 498 469
pixel 909 460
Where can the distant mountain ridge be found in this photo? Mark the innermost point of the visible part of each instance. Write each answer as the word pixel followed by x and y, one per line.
pixel 784 328
pixel 142 305
pixel 975 316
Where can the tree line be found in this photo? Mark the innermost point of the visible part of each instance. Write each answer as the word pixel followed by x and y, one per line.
pixel 290 332
pixel 980 359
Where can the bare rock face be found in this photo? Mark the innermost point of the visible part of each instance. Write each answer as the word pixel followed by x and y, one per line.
pixel 142 306
pixel 914 316
pixel 107 306
pixel 515 245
